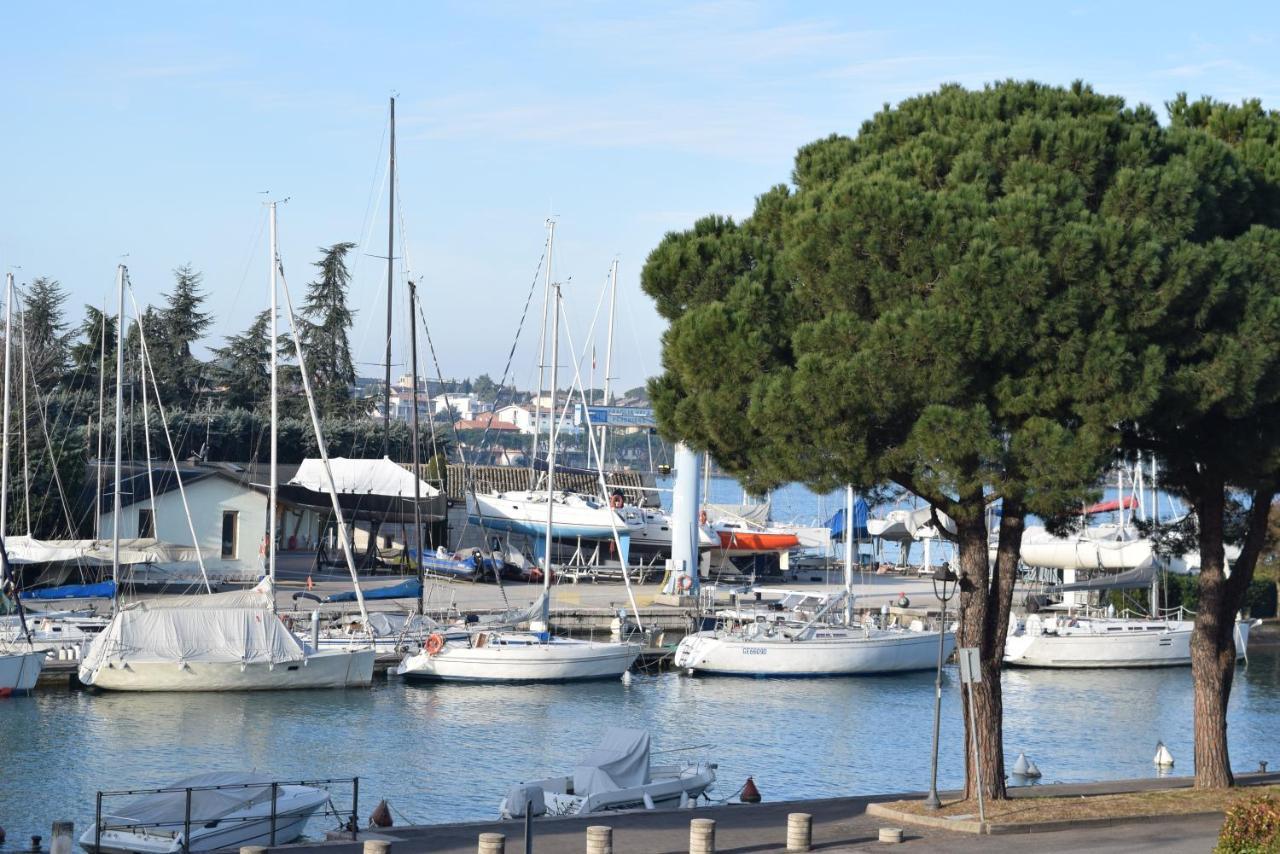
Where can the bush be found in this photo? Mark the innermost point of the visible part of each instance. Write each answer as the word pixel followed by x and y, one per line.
pixel 1252 826
pixel 1260 601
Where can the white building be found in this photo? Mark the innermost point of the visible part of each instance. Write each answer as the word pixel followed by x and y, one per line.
pixel 521 415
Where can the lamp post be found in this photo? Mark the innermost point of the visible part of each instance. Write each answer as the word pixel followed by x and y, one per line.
pixel 944 588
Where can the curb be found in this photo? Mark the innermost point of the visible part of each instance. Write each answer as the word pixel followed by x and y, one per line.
pixel 990 829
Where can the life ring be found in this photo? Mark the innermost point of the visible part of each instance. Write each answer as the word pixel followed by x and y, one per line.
pixel 435 643
pixel 684 582
pixel 702 517
pixel 617 501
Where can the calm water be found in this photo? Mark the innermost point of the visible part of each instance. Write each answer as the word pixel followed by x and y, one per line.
pixel 448 752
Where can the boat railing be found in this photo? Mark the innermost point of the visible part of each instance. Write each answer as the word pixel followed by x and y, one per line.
pixel 103 824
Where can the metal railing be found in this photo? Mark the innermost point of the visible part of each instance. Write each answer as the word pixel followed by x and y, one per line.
pixel 347 818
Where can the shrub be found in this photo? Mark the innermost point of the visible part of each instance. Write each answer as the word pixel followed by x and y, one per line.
pixel 1252 826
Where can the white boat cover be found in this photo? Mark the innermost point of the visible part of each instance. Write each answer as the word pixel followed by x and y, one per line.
pixel 620 761
pixel 361 477
pixel 169 808
pixel 25 549
pixel 756 514
pixel 212 627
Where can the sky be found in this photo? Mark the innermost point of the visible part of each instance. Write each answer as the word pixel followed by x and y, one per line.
pixel 151 134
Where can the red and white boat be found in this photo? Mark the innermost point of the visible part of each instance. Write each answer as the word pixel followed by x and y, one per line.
pixel 740 538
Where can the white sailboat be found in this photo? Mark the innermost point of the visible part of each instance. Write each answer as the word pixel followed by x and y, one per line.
pixel 532 656
pixel 819 647
pixel 1066 641
pixel 221 641
pixel 20 661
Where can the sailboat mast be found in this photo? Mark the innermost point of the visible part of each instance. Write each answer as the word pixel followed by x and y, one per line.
pixel 848 555
pixel 391 266
pixel 417 471
pixel 542 351
pixel 551 457
pixel 102 396
pixel 608 352
pixel 275 413
pixel 4 454
pixel 115 507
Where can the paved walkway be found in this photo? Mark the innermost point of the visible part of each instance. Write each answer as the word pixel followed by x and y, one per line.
pixel 839 824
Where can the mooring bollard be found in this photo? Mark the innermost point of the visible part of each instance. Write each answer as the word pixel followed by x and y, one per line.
pixel 492 843
pixel 252 849
pixel 799 832
pixel 377 846
pixel 62 840
pixel 892 835
pixel 599 839
pixel 702 836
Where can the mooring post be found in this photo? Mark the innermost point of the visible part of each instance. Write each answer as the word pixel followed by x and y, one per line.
pixel 702 836
pixel 492 843
pixel 599 839
pixel 377 846
pixel 799 832
pixel 61 841
pixel 252 849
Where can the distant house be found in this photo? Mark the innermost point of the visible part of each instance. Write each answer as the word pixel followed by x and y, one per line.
pixel 488 421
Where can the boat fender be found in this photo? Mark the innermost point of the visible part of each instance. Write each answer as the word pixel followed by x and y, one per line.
pixel 435 643
pixel 381 815
pixel 903 601
pixel 648 801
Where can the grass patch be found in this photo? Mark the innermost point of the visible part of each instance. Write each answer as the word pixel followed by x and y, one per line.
pixel 1034 810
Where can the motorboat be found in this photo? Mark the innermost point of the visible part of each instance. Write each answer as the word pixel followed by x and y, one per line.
pixel 511 656
pixel 576 516
pixel 821 646
pixel 63 634
pixel 19 669
pixel 207 812
pixel 1071 641
pixel 617 774
pixel 215 642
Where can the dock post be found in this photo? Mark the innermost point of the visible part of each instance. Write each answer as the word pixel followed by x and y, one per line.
pixel 702 836
pixel 599 839
pixel 61 840
pixel 492 843
pixel 799 832
pixel 377 846
pixel 252 849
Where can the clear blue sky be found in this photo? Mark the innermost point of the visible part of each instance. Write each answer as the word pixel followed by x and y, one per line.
pixel 151 128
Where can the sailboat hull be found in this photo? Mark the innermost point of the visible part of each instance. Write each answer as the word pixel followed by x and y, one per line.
pixel 19 671
pixel 557 660
pixel 347 668
pixel 1111 643
pixel 883 652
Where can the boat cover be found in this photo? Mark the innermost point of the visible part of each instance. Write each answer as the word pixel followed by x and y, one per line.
pixel 361 477
pixel 1133 579
pixel 101 590
pixel 620 761
pixel 212 627
pixel 756 514
pixel 404 590
pixel 860 513
pixel 168 808
pixel 24 549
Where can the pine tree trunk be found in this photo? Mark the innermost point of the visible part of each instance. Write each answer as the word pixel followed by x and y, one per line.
pixel 1213 647
pixel 984 617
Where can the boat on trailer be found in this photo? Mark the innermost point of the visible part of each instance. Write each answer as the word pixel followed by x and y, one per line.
pixel 617 774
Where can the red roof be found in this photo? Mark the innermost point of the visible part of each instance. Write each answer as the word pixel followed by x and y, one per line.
pixel 486 420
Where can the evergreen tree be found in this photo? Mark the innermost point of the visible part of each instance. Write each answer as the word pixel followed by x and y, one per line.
pixel 940 302
pixel 44 332
pixel 88 352
pixel 181 323
pixel 243 365
pixel 325 333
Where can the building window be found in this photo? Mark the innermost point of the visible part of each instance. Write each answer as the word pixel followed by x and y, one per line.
pixel 230 528
pixel 146 523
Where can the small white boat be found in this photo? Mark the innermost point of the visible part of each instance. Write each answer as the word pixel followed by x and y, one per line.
pixel 228 809
pixel 576 516
pixel 615 775
pixel 517 657
pixel 1068 641
pixel 19 670
pixel 57 634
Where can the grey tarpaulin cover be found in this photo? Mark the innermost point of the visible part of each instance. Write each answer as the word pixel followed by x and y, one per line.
pixel 169 808
pixel 620 761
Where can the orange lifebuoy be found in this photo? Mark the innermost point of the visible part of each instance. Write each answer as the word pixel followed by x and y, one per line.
pixel 435 643
pixel 685 582
pixel 617 501
pixel 702 517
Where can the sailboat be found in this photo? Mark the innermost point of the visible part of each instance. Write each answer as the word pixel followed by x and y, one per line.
pixel 820 646
pixel 221 641
pixel 20 664
pixel 530 656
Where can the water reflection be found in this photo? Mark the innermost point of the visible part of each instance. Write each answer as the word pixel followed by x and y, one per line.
pixel 443 752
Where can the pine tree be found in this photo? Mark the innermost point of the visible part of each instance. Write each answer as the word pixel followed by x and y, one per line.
pixel 325 333
pixel 88 354
pixel 44 330
pixel 180 324
pixel 242 365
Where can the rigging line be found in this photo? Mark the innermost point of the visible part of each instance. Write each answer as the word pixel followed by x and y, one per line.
pixel 182 491
pixel 26 466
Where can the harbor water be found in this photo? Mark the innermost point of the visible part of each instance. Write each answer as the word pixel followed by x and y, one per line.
pixel 442 753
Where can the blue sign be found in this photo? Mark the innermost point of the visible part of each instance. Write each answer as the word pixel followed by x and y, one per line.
pixel 617 416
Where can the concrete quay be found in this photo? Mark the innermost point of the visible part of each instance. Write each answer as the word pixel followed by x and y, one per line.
pixel 838 825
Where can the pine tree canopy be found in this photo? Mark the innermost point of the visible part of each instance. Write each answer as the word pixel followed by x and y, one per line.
pixel 243 365
pixel 325 333
pixel 44 332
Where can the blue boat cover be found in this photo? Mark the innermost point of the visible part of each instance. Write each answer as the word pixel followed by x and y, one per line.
pixel 101 590
pixel 404 590
pixel 860 511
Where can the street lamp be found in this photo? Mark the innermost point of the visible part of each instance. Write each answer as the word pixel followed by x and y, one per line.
pixel 944 588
